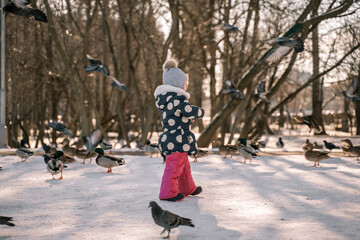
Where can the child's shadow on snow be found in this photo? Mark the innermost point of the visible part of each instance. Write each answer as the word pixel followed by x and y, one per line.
pixel 205 223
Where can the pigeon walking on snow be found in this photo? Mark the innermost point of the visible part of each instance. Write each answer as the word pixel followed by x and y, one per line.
pixel 57 126
pixel 96 66
pixel 6 221
pixel 230 89
pixel 261 93
pixel 330 145
pixel 280 143
pixel 282 46
pixel 166 219
pixel 19 7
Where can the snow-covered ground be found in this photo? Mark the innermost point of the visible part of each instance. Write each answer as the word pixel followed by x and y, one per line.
pixel 275 197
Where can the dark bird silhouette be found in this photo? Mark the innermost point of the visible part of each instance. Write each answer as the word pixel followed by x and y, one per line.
pixel 96 66
pixel 261 93
pixel 310 122
pixel 166 219
pixel 330 145
pixel 230 89
pixel 19 7
pixel 119 85
pixel 282 46
pixel 352 91
pixel 280 143
pixel 226 27
pixel 6 221
pixel 57 126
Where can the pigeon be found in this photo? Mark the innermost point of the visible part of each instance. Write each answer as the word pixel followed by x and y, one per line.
pixel 19 7
pixel 57 126
pixel 6 221
pixel 226 27
pixel 105 144
pixel 93 141
pixel 261 93
pixel 282 46
pixel 96 66
pixel 352 91
pixel 119 85
pixel 230 89
pixel 280 143
pixel 330 145
pixel 151 148
pixel 107 161
pixel 310 122
pixel 315 156
pixel 22 152
pixel 54 164
pixel 166 219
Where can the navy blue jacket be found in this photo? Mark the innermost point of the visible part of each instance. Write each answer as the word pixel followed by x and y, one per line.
pixel 176 116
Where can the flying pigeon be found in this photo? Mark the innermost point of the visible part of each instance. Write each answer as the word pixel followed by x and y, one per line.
pixel 330 145
pixel 352 91
pixel 226 27
pixel 57 126
pixel 119 85
pixel 166 219
pixel 6 221
pixel 280 143
pixel 92 141
pixel 229 88
pixel 19 7
pixel 261 94
pixel 96 66
pixel 310 122
pixel 282 46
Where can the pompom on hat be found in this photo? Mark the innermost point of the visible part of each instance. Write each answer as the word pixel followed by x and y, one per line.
pixel 172 75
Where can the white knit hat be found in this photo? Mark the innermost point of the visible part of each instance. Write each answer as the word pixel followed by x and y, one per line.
pixel 172 75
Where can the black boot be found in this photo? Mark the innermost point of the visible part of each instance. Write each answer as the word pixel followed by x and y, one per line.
pixel 197 191
pixel 179 197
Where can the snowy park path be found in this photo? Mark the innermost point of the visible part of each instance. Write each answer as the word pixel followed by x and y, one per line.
pixel 275 197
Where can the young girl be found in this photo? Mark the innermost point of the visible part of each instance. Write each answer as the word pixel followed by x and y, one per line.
pixel 177 140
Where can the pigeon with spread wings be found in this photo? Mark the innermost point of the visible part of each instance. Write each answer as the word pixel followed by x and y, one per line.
pixel 96 66
pixel 119 85
pixel 19 7
pixel 282 46
pixel 261 93
pixel 352 91
pixel 230 89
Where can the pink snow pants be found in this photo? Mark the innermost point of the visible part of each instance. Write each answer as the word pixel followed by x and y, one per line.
pixel 177 176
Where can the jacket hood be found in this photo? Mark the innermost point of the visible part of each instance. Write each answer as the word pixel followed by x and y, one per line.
pixel 163 89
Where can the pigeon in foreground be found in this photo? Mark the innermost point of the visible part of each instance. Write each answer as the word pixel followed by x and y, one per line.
pixel 57 126
pixel 19 7
pixel 166 219
pixel 6 221
pixel 226 27
pixel 282 46
pixel 261 93
pixel 96 66
pixel 352 91
pixel 93 141
pixel 230 89
pixel 119 85
pixel 330 145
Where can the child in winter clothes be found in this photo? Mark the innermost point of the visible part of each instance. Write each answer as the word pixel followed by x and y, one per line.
pixel 177 141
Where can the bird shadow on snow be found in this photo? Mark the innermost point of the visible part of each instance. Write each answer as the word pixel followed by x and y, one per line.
pixel 206 225
pixel 239 162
